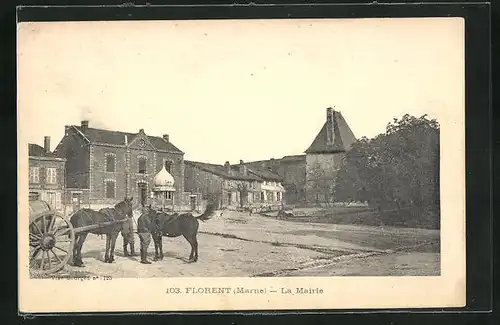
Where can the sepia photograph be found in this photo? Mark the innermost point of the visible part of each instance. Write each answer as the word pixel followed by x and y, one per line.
pixel 249 160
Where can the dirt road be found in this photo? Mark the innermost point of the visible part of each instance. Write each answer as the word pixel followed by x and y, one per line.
pixel 241 245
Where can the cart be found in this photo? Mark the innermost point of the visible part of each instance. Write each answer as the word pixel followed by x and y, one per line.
pixel 52 238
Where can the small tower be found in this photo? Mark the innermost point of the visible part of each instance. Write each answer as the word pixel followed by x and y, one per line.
pixel 324 156
pixel 163 190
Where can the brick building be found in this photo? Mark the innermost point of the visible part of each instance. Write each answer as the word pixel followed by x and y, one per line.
pixel 103 166
pixel 310 177
pixel 234 185
pixel 46 175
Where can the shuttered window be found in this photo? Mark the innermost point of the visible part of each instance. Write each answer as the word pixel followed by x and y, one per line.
pixel 35 175
pixel 51 175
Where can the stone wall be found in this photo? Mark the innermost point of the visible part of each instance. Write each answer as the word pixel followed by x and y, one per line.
pixel 321 172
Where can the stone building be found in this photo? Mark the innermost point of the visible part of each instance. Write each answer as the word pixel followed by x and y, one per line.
pixel 104 166
pixel 46 175
pixel 325 155
pixel 310 177
pixel 234 185
pixel 291 170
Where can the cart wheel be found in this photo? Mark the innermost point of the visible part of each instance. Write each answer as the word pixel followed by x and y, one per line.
pixel 51 240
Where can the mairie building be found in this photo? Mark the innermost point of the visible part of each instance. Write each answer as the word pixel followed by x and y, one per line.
pixel 104 166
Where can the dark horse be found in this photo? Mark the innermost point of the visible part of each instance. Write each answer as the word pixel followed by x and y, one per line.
pixel 88 217
pixel 174 225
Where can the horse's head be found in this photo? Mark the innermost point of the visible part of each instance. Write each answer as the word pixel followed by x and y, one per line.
pixel 125 207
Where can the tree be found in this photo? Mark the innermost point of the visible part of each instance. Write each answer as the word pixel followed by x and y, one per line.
pixel 397 170
pixel 242 188
pixel 321 185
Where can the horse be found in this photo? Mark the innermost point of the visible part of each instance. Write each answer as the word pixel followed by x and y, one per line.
pixel 174 225
pixel 87 217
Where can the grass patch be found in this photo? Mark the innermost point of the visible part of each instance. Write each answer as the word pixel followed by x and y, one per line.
pixel 367 217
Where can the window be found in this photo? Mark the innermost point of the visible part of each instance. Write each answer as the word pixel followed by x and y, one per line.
pixel 278 196
pixel 110 163
pixel 168 166
pixel 262 196
pixel 51 197
pixel 34 174
pixel 51 175
pixel 168 195
pixel 110 189
pixel 142 165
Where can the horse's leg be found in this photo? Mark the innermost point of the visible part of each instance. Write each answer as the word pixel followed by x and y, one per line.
pixel 195 243
pixel 125 244
pixel 108 245
pixel 75 250
pixel 79 245
pixel 160 246
pixel 114 237
pixel 190 240
pixel 155 242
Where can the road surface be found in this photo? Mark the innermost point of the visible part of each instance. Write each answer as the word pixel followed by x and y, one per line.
pixel 238 244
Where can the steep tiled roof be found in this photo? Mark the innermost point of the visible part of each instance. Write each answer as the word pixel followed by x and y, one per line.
pixel 293 158
pixel 118 138
pixel 265 174
pixel 35 150
pixel 343 137
pixel 221 171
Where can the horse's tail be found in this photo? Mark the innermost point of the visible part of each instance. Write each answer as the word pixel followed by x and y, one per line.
pixel 207 213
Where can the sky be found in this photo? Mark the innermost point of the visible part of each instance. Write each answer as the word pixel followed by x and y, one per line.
pixel 231 90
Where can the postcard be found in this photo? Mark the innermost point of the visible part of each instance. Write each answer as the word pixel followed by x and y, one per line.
pixel 201 165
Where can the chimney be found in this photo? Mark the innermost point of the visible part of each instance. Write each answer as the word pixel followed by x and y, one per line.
pixel 84 126
pixel 166 137
pixel 243 168
pixel 227 167
pixel 46 144
pixel 329 125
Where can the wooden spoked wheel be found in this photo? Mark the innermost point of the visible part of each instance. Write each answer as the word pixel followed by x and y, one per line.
pixel 51 240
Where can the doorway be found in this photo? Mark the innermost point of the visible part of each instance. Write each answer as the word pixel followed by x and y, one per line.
pixel 143 194
pixel 192 201
pixel 75 201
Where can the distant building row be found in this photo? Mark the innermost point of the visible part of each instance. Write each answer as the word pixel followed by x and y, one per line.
pixel 96 167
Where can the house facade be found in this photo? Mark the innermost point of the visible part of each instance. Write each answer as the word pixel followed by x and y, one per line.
pixel 46 175
pixel 234 185
pixel 292 172
pixel 104 166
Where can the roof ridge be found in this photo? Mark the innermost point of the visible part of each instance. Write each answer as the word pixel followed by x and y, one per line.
pixel 117 131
